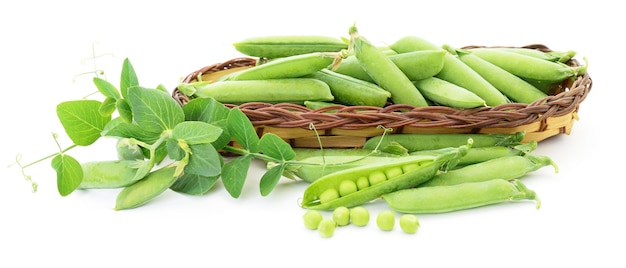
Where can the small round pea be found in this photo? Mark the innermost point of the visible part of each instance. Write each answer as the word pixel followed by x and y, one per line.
pixel 347 187
pixel 326 228
pixel 328 195
pixel 362 183
pixel 377 177
pixel 341 216
pixel 312 219
pixel 393 172
pixel 410 167
pixel 386 219
pixel 359 216
pixel 409 223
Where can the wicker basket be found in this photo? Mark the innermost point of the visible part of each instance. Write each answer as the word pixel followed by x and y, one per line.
pixel 351 126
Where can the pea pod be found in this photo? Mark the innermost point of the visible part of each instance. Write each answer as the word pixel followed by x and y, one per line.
pixel 440 199
pixel 288 45
pixel 375 180
pixel 144 190
pixel 288 67
pixel 415 65
pixel 385 73
pixel 560 56
pixel 351 91
pixel 445 93
pixel 420 142
pixel 108 174
pixel 454 70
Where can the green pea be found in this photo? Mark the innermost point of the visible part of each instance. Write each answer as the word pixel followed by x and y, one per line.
pixel 341 216
pixel 410 167
pixel 326 228
pixel 393 172
pixel 377 177
pixel 409 223
pixel 362 183
pixel 347 187
pixel 329 195
pixel 386 220
pixel 359 216
pixel 312 219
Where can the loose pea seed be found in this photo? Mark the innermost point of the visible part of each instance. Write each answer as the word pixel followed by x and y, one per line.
pixel 312 219
pixel 386 219
pixel 347 187
pixel 326 228
pixel 409 223
pixel 377 177
pixel 341 216
pixel 362 183
pixel 329 195
pixel 393 172
pixel 359 216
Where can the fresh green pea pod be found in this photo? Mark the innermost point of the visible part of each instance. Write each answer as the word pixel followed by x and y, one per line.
pixel 454 70
pixel 511 85
pixel 383 178
pixel 319 166
pixel 144 190
pixel 507 168
pixel 288 67
pixel 108 174
pixel 530 67
pixel 482 154
pixel 314 105
pixel 448 94
pixel 351 91
pixel 560 56
pixel 419 142
pixel 385 73
pixel 440 199
pixel 415 65
pixel 295 90
pixel 288 45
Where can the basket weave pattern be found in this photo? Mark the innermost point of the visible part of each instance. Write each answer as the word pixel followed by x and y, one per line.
pixel 349 126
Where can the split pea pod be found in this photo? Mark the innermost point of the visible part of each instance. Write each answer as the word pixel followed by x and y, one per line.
pixel 511 85
pixel 288 67
pixel 507 168
pixel 371 181
pixel 440 199
pixel 454 70
pixel 287 45
pixel 385 73
pixel 530 67
pixel 352 91
pixel 445 93
pixel 293 90
pixel 420 142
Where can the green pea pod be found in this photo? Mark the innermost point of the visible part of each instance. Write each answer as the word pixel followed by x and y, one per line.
pixel 328 193
pixel 108 174
pixel 288 67
pixel 420 142
pixel 482 154
pixel 285 46
pixel 352 91
pixel 320 166
pixel 144 190
pixel 440 199
pixel 507 168
pixel 445 93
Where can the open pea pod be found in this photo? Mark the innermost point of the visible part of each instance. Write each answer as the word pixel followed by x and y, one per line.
pixel 358 185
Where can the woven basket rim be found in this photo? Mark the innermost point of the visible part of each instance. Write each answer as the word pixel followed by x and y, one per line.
pixel 510 115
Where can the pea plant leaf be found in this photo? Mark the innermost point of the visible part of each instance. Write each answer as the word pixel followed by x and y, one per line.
pixel 194 184
pixel 69 173
pixel 242 130
pixel 154 110
pixel 119 128
pixel 210 111
pixel 128 78
pixel 274 146
pixel 123 108
pixel 82 120
pixel 106 88
pixel 196 132
pixel 204 160
pixel 270 179
pixel 234 174
pixel 108 106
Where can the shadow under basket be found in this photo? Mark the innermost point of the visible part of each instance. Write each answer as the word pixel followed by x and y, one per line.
pixel 350 126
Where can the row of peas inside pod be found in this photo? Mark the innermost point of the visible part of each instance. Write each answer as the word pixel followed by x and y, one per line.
pixel 319 71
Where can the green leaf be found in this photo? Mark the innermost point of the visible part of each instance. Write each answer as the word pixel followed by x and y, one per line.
pixel 69 173
pixel 207 110
pixel 146 189
pixel 124 109
pixel 242 130
pixel 194 184
pixel 82 120
pixel 274 146
pixel 118 127
pixel 106 88
pixel 154 110
pixel 204 160
pixel 270 179
pixel 173 150
pixel 128 78
pixel 108 107
pixel 196 132
pixel 234 174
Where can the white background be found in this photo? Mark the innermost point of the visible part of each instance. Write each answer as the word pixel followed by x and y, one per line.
pixel 42 49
